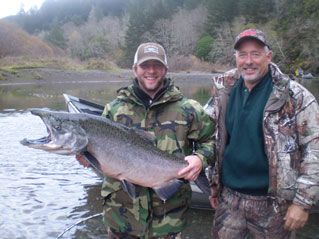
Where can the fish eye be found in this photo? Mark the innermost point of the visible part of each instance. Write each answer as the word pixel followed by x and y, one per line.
pixel 57 127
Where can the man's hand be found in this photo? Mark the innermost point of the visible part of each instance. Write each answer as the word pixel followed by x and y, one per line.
pixel 213 202
pixel 193 169
pixel 82 160
pixel 295 218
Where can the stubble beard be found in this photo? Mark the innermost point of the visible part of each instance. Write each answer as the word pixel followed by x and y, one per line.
pixel 249 79
pixel 158 86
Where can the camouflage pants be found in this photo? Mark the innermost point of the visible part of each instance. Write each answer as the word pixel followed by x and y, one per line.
pixel 240 216
pixel 112 234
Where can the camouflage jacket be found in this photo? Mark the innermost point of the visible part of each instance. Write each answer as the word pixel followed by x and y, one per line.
pixel 291 133
pixel 176 122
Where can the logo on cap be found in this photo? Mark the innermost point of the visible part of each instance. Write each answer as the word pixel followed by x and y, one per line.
pixel 248 33
pixel 151 49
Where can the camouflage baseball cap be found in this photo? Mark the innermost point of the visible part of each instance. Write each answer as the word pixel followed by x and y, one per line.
pixel 150 51
pixel 251 33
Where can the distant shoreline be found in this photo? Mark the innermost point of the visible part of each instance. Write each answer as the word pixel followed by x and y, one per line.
pixel 36 76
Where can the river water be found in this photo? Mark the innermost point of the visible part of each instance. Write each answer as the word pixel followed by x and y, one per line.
pixel 44 195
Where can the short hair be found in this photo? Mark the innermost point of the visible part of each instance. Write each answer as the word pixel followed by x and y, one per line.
pixel 267 50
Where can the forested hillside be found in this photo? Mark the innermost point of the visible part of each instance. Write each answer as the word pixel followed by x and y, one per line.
pixel 112 29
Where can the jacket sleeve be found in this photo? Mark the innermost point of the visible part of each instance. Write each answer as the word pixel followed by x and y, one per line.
pixel 108 111
pixel 202 133
pixel 307 183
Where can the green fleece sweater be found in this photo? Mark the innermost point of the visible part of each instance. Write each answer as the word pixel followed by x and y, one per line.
pixel 245 165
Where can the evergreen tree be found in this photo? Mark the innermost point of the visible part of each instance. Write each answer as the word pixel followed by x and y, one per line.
pixel 220 11
pixel 204 46
pixel 137 26
pixel 143 15
pixel 56 36
pixel 256 11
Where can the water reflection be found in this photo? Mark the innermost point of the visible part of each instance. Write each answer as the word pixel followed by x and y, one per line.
pixel 43 194
pixel 38 189
pixel 312 85
pixel 49 95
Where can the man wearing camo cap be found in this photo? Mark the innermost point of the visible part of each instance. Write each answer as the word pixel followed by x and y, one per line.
pixel 154 104
pixel 266 176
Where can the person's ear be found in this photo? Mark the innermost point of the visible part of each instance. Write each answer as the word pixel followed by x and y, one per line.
pixel 269 56
pixel 134 67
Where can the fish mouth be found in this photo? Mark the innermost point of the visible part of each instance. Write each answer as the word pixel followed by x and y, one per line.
pixel 45 142
pixel 65 137
pixel 41 143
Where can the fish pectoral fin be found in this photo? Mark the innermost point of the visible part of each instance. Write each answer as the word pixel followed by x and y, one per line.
pixel 92 160
pixel 167 190
pixel 129 188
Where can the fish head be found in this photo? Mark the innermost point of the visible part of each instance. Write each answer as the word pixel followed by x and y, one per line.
pixel 66 136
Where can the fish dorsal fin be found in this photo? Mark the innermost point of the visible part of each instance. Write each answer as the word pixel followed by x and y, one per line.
pixel 147 136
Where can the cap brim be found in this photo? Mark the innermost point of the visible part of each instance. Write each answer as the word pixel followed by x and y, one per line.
pixel 151 58
pixel 247 37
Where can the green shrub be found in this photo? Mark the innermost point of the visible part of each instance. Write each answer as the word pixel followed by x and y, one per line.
pixel 203 47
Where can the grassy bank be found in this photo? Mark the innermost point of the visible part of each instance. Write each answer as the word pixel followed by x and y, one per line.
pixel 17 68
pixel 26 67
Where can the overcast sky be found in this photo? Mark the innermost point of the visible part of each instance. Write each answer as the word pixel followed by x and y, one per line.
pixel 12 7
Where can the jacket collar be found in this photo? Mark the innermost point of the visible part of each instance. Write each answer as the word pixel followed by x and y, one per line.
pixel 171 93
pixel 276 99
pixel 280 92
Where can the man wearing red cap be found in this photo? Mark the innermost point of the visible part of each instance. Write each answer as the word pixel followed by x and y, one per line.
pixel 266 175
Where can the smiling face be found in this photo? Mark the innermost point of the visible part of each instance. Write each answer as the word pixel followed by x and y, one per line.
pixel 252 61
pixel 150 75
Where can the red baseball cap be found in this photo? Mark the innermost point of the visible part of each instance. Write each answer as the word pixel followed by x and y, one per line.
pixel 251 33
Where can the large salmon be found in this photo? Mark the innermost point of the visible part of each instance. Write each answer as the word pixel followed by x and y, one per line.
pixel 114 150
